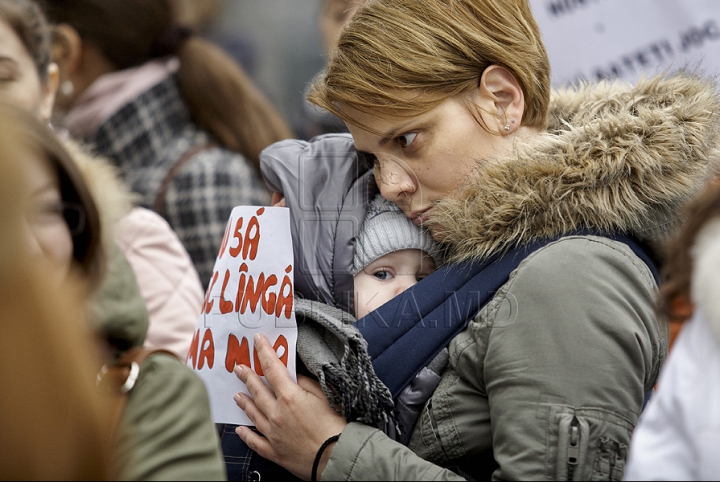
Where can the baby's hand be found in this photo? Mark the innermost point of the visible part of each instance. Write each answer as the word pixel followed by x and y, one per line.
pixel 278 200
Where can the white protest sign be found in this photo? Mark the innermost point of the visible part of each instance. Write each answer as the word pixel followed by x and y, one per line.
pixel 607 39
pixel 251 291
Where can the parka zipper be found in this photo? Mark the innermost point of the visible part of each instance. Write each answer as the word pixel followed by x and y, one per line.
pixel 573 453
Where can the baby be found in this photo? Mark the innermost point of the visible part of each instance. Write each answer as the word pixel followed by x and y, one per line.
pixel 391 255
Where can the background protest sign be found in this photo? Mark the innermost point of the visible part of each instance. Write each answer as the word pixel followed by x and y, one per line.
pixel 607 39
pixel 251 291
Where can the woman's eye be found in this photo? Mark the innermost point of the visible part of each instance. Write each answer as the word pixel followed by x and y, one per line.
pixel 382 275
pixel 406 139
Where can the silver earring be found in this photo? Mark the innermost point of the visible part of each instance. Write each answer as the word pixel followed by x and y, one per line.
pixel 67 88
pixel 507 127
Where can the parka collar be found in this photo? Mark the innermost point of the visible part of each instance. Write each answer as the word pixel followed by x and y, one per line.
pixel 615 158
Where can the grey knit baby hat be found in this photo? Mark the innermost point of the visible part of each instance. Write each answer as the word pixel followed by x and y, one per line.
pixel 386 229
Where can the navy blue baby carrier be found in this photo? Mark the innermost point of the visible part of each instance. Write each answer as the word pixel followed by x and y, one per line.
pixel 406 333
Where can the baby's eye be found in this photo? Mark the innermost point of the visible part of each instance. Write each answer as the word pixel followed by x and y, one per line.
pixel 406 139
pixel 382 275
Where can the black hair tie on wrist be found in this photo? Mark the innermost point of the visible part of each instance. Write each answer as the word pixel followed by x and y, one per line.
pixel 170 41
pixel 319 455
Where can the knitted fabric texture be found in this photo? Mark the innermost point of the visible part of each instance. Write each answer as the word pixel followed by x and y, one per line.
pixel 336 353
pixel 385 230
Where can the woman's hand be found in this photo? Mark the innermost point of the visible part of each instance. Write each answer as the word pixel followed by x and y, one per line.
pixel 295 418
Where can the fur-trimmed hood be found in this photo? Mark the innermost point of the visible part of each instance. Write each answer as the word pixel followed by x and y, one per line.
pixel 706 273
pixel 615 158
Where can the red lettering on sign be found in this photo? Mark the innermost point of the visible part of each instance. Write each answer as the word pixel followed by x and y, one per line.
pixel 238 353
pixel 225 306
pixel 226 238
pixel 268 302
pixel 235 250
pixel 208 303
pixel 207 351
pixel 285 300
pixel 192 354
pixel 252 294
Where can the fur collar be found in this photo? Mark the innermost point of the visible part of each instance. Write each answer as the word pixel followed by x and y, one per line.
pixel 615 157
pixel 706 273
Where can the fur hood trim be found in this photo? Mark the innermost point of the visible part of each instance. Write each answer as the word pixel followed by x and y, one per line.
pixel 112 197
pixel 615 158
pixel 706 273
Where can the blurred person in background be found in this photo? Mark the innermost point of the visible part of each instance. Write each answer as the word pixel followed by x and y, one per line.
pixel 161 427
pixel 678 435
pixel 55 424
pixel 181 120
pixel 165 273
pixel 168 280
pixel 333 15
pixel 117 308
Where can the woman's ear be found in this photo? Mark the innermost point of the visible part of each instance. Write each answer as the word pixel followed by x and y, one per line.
pixel 49 90
pixel 67 51
pixel 501 99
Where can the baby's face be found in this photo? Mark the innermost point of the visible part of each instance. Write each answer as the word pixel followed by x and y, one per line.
pixel 388 276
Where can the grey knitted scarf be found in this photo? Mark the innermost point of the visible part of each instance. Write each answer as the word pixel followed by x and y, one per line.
pixel 336 353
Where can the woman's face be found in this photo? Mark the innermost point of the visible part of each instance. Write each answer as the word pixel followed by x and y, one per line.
pixel 20 84
pixel 423 159
pixel 48 234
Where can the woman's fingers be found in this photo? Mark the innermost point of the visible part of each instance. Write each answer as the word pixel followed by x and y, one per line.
pixel 256 442
pixel 259 391
pixel 253 412
pixel 275 372
pixel 295 418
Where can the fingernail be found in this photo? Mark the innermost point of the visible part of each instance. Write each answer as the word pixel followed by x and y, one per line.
pixel 257 337
pixel 237 398
pixel 238 369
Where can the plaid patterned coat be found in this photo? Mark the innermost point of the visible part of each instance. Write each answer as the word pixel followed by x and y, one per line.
pixel 147 137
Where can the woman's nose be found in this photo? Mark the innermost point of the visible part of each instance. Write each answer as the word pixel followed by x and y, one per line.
pixel 395 183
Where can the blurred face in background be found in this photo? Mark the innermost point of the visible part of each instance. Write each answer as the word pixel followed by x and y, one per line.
pixel 20 83
pixel 335 14
pixel 48 233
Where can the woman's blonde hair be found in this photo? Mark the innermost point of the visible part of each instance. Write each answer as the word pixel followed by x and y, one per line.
pixel 404 57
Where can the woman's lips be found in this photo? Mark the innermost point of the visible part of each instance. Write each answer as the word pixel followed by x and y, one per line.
pixel 419 217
